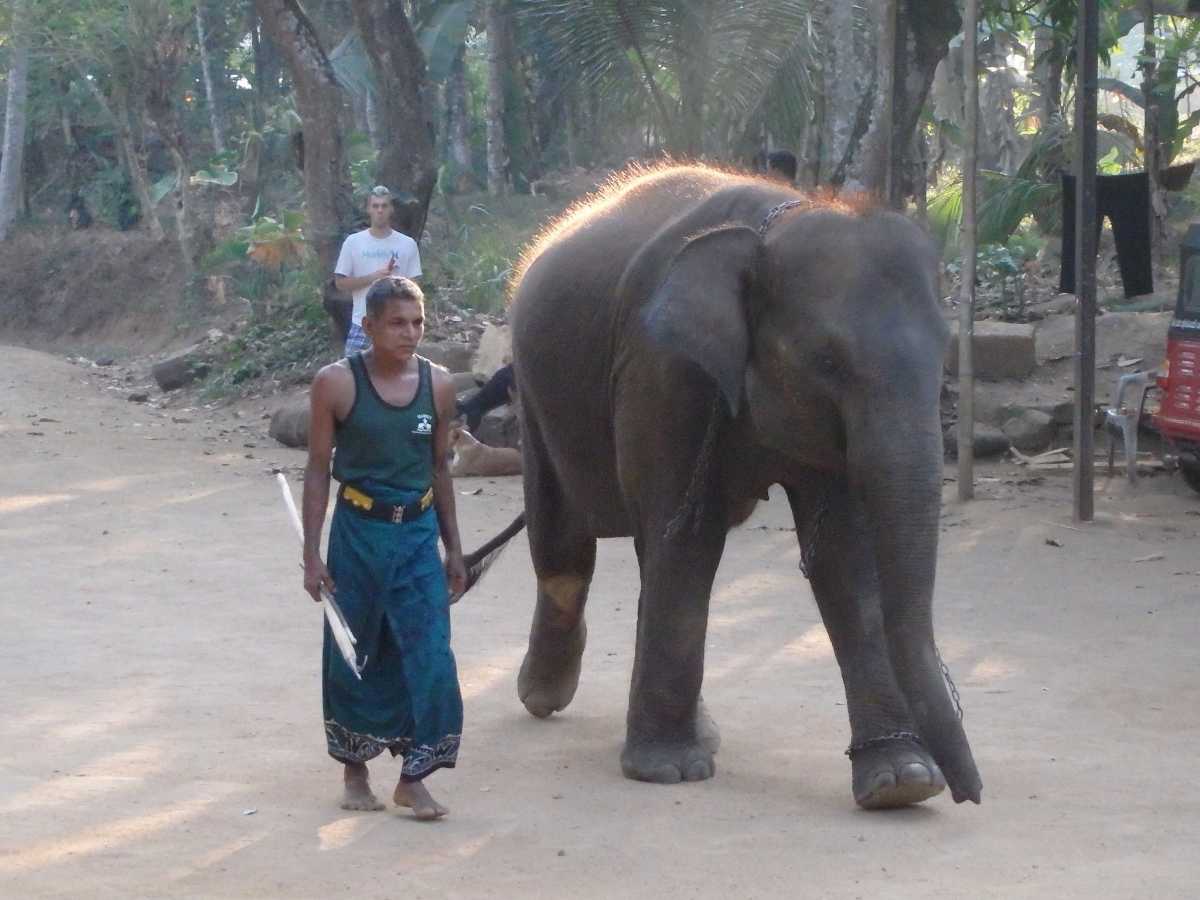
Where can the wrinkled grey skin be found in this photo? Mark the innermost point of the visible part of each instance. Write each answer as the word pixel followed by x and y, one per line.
pixel 818 349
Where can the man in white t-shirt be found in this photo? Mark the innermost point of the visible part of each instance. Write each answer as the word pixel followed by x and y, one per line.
pixel 368 256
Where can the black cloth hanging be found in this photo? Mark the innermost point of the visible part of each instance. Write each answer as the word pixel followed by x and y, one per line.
pixel 1125 199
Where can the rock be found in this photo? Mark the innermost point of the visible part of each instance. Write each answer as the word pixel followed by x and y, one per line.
pixel 989 442
pixel 453 355
pixel 1030 431
pixel 500 428
pixel 495 350
pixel 289 424
pixel 181 370
pixel 139 397
pixel 105 361
pixel 466 381
pixel 1002 350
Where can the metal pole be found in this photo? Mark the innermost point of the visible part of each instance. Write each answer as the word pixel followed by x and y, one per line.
pixel 966 302
pixel 1085 259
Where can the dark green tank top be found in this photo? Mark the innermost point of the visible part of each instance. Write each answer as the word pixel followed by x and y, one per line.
pixel 380 442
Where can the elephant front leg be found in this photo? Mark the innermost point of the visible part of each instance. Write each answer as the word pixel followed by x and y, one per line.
pixel 889 765
pixel 670 737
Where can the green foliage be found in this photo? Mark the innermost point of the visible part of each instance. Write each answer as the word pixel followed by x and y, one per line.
pixel 1000 269
pixel 286 338
pixel 109 196
pixel 275 243
pixel 473 271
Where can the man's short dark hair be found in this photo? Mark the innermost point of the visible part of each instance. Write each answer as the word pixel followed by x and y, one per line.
pixel 784 162
pixel 392 287
pixel 379 192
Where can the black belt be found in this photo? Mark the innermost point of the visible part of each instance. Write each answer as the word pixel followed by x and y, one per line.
pixel 369 506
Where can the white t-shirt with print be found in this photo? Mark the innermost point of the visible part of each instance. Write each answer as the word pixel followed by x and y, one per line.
pixel 363 253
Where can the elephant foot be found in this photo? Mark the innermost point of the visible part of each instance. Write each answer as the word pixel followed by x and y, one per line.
pixel 893 774
pixel 707 733
pixel 670 762
pixel 550 675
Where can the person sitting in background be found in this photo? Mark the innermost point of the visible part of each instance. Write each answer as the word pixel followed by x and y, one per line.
pixel 498 390
pixel 782 165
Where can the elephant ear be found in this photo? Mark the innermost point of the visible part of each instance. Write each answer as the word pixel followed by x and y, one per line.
pixel 700 309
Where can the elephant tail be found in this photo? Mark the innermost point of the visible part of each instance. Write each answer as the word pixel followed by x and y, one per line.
pixel 479 561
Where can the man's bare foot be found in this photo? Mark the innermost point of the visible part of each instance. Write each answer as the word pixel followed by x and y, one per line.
pixel 358 795
pixel 414 795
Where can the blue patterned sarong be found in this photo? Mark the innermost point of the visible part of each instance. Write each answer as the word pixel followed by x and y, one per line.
pixel 356 340
pixel 391 587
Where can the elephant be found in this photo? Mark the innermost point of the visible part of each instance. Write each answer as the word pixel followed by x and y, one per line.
pixel 684 340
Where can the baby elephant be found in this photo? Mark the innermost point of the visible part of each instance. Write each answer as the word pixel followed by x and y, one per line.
pixel 684 341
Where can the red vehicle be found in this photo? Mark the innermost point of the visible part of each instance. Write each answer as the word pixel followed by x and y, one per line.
pixel 1178 417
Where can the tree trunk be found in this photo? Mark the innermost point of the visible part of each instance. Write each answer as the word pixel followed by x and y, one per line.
pixel 458 121
pixel 1049 55
pixel 15 118
pixel 693 76
pixel 182 214
pixel 849 77
pixel 498 65
pixel 210 96
pixel 880 152
pixel 260 74
pixel 407 160
pixel 371 114
pixel 1151 137
pixel 318 100
pixel 930 25
pixel 133 161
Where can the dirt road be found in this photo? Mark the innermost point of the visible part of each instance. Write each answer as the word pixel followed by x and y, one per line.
pixel 161 734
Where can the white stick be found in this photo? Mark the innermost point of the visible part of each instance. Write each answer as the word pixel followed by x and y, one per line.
pixel 342 635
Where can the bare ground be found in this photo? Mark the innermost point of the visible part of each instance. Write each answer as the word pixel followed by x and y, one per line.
pixel 161 730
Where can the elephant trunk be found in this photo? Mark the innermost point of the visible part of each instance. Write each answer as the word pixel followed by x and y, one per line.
pixel 902 491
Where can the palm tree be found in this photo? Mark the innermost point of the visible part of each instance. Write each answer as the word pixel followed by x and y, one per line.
pixel 707 73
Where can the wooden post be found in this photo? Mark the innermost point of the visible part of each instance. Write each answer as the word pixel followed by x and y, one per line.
pixel 966 300
pixel 1085 259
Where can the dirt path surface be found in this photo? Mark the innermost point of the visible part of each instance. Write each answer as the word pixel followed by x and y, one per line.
pixel 161 728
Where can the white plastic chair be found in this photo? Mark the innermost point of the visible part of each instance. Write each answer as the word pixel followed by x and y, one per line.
pixel 1121 420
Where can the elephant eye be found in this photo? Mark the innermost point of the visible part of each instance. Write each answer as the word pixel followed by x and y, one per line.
pixel 828 365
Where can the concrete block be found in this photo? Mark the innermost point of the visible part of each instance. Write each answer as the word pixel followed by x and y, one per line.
pixel 454 355
pixel 1002 350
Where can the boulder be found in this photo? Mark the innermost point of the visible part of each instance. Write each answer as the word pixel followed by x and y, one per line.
pixel 495 350
pixel 1030 430
pixel 453 355
pixel 466 381
pixel 182 369
pixel 988 442
pixel 1002 350
pixel 500 428
pixel 289 423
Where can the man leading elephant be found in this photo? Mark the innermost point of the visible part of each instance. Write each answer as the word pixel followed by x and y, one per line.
pixel 683 342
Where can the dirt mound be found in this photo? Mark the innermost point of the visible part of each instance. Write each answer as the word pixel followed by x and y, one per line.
pixel 91 289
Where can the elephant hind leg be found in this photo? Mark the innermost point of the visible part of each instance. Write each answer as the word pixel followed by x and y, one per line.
pixel 564 557
pixel 550 671
pixel 889 766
